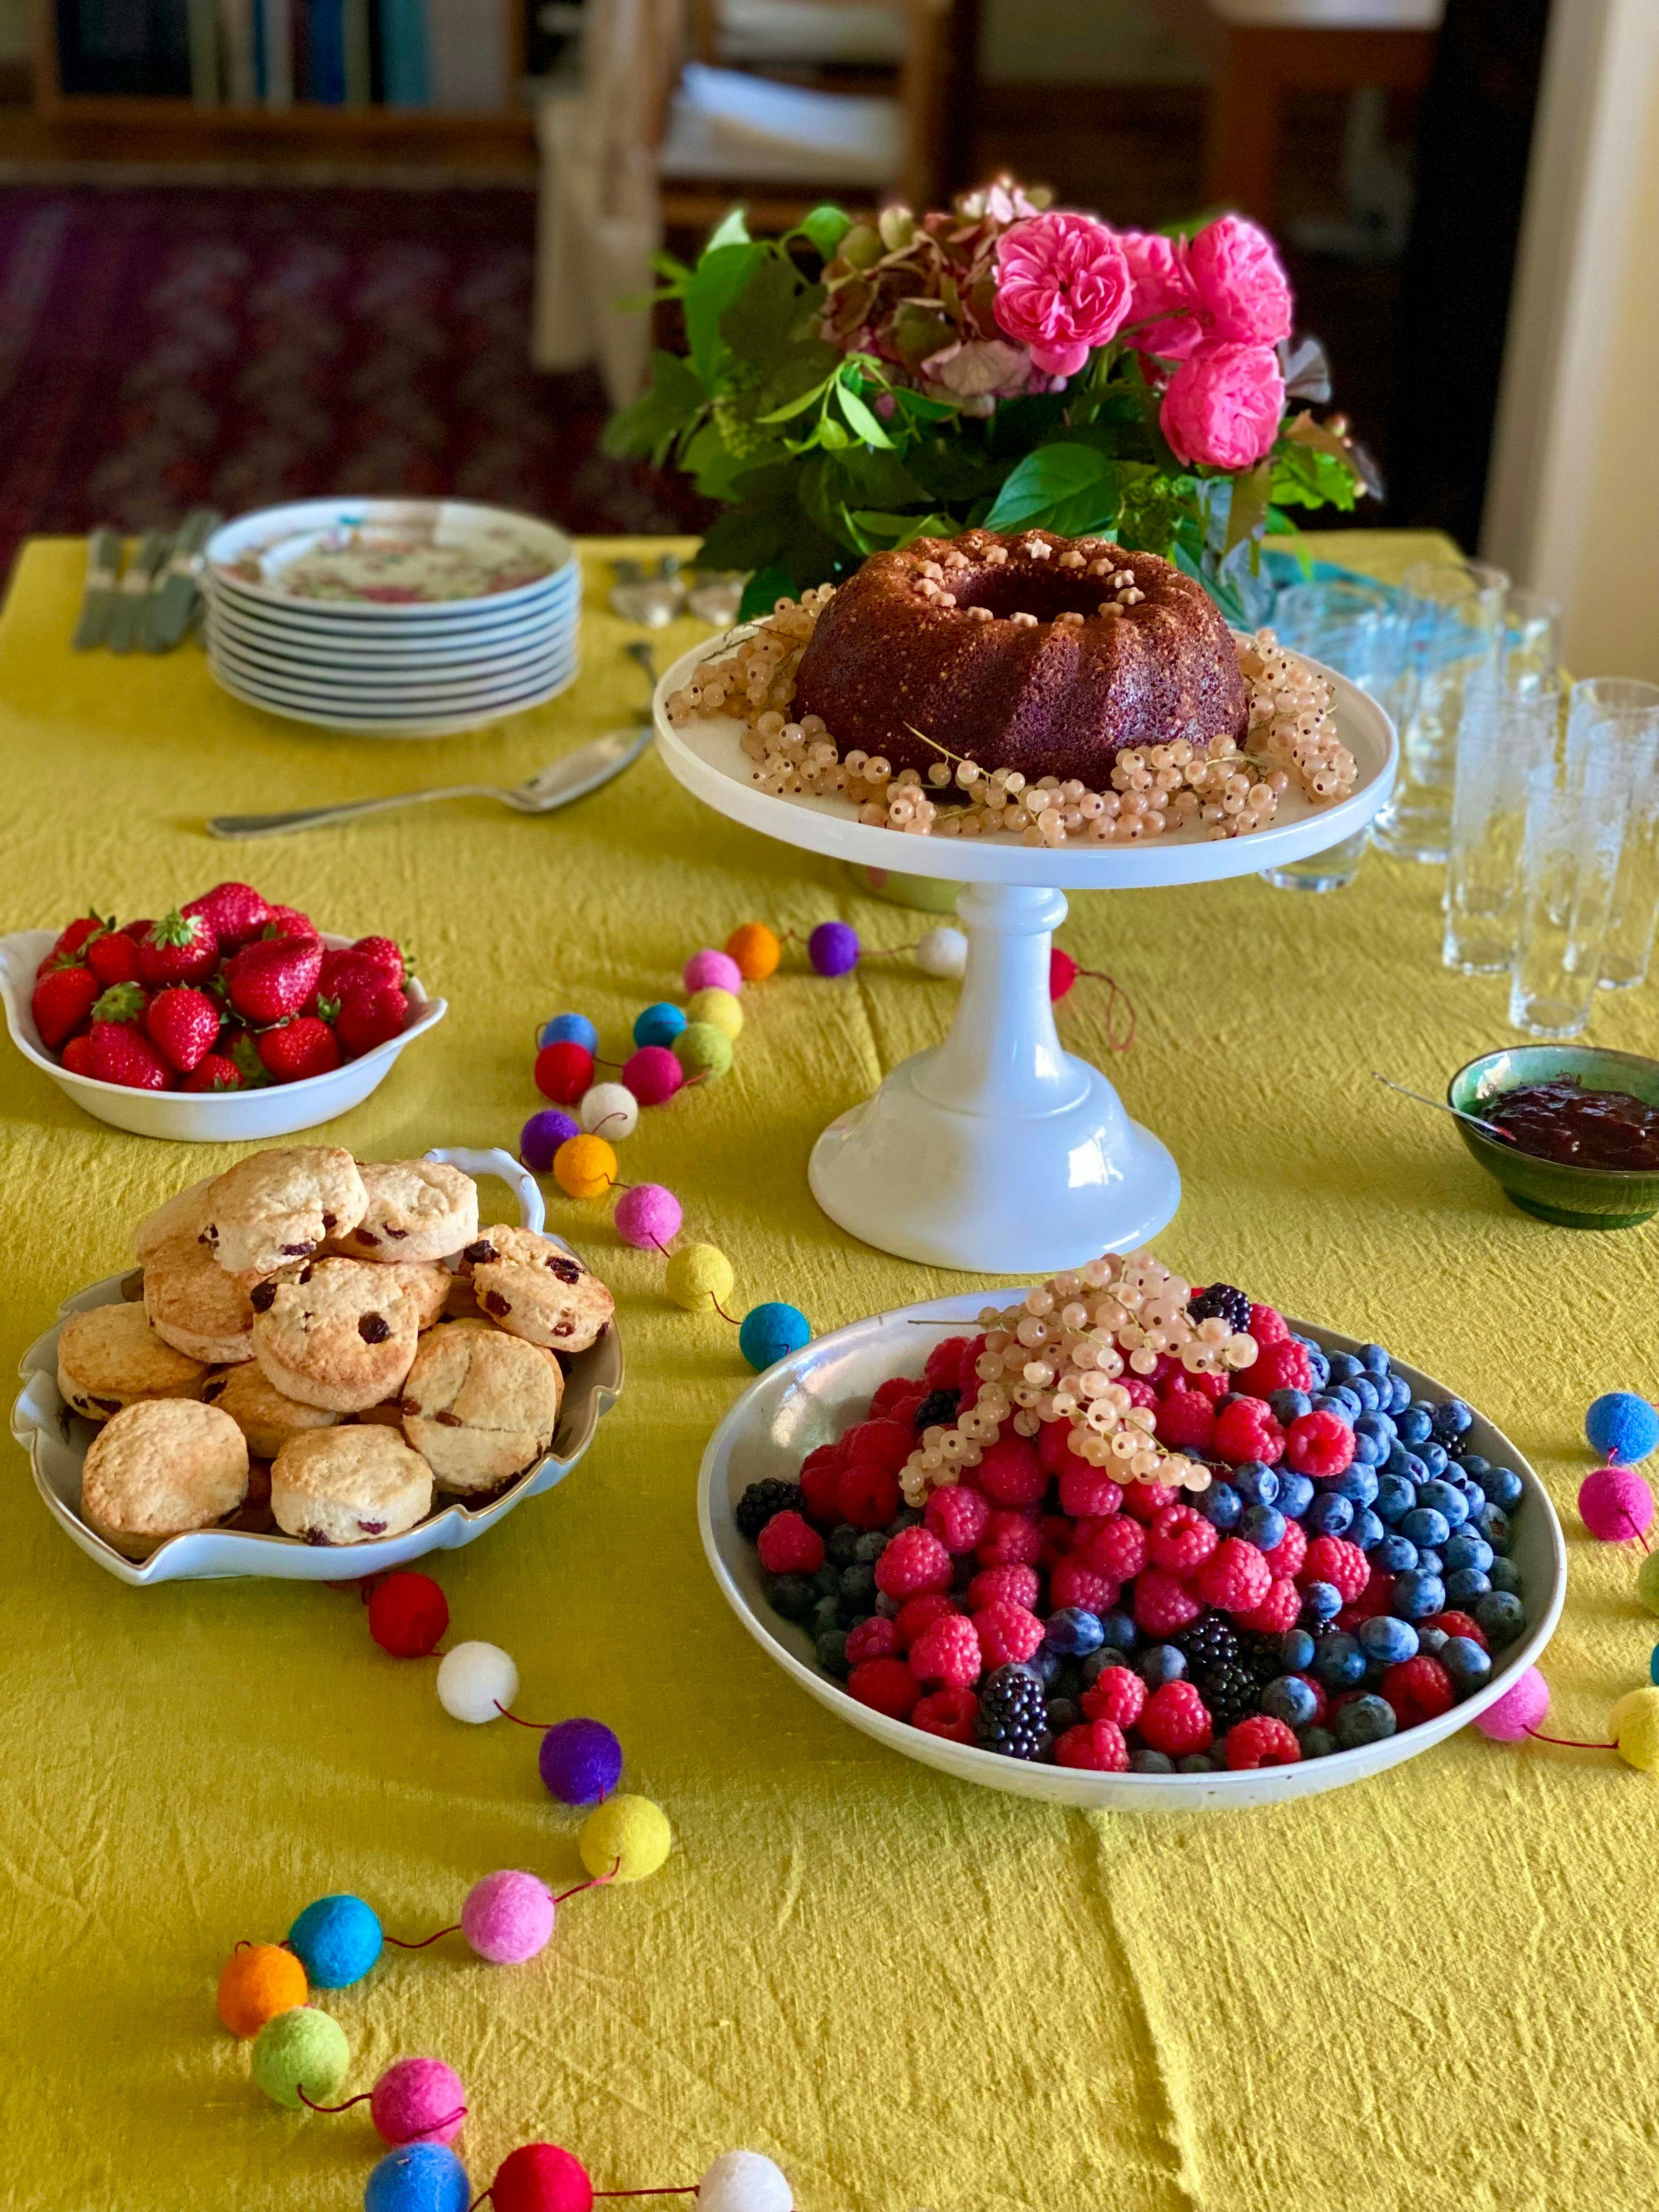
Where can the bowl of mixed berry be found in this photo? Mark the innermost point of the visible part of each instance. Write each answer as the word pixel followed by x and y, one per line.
pixel 1122 1540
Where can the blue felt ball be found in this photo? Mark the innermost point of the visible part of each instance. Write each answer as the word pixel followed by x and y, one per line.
pixel 418 2176
pixel 658 1025
pixel 580 1761
pixel 568 1028
pixel 336 1940
pixel 833 948
pixel 541 1137
pixel 771 1332
pixel 1622 1427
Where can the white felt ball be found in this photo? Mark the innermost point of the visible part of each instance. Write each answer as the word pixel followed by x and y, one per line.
pixel 744 2181
pixel 474 1679
pixel 943 953
pixel 609 1111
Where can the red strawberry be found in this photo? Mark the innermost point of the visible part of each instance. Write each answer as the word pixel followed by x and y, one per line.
pixel 343 965
pixel 63 999
pixel 273 976
pixel 369 1014
pixel 235 913
pixel 114 958
pixel 80 931
pixel 137 929
pixel 288 921
pixel 122 1002
pixel 121 1054
pixel 178 948
pixel 382 953
pixel 215 1072
pixel 184 1023
pixel 296 1049
pixel 77 1055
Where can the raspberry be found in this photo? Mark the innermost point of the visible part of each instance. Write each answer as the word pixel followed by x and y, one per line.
pixel 1117 1548
pixel 1211 1385
pixel 914 1562
pixel 966 1374
pixel 1261 1741
pixel 1460 1624
pixel 1097 1746
pixel 1236 1578
pixel 1246 1429
pixel 1288 1553
pixel 1053 1445
pixel 1375 1598
pixel 1146 1500
pixel 876 1638
pixel 1182 1540
pixel 1268 1327
pixel 882 1443
pixel 956 1517
pixel 1418 1689
pixel 909 1410
pixel 1162 1604
pixel 919 1613
pixel 820 1483
pixel 789 1546
pixel 866 1495
pixel 1084 1490
pixel 1186 1417
pixel 944 1364
pixel 1117 1694
pixel 1056 1533
pixel 1004 1585
pixel 887 1686
pixel 1175 1720
pixel 949 1713
pixel 889 1393
pixel 1282 1366
pixel 1319 1445
pixel 1011 1473
pixel 1010 1540
pixel 1007 1634
pixel 1072 1581
pixel 1333 1559
pixel 1280 1609
pixel 947 1652
pixel 1140 1389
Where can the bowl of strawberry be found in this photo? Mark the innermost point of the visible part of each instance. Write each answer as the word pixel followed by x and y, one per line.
pixel 226 1018
pixel 1121 1542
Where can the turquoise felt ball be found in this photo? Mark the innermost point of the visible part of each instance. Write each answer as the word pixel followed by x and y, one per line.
pixel 1622 1427
pixel 658 1025
pixel 771 1332
pixel 336 1940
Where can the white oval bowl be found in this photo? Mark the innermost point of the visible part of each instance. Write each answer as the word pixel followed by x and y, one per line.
pixel 808 1400
pixel 56 1441
pixel 204 1117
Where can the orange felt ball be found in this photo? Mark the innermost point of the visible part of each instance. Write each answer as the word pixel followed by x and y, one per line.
pixel 259 1982
pixel 755 949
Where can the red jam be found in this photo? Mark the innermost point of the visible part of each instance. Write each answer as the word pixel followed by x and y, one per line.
pixel 1561 1120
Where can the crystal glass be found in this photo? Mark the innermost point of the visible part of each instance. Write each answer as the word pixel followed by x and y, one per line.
pixel 1570 855
pixel 1503 737
pixel 1529 643
pixel 1453 622
pixel 1618 716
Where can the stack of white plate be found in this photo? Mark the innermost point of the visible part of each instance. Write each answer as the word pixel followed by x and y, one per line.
pixel 392 618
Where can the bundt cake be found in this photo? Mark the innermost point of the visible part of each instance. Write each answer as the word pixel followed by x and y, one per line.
pixel 1033 651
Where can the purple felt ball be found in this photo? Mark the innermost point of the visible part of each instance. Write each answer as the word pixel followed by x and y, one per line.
pixel 1615 1505
pixel 542 1135
pixel 833 948
pixel 1518 1712
pixel 417 2100
pixel 711 970
pixel 507 1917
pixel 647 1217
pixel 580 1761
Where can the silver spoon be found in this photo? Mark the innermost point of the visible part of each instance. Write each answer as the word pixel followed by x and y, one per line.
pixel 1487 1128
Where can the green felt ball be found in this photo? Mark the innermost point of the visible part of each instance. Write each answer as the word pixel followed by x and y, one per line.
pixel 303 2049
pixel 701 1049
pixel 1647 1582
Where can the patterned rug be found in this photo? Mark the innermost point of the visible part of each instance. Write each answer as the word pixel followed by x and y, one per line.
pixel 176 345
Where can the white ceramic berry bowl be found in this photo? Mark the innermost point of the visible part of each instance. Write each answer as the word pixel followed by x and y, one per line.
pixel 808 1400
pixel 204 1117
pixel 56 1441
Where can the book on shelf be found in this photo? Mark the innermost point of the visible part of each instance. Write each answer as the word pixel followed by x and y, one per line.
pixel 467 57
pixel 125 48
pixel 326 72
pixel 406 81
pixel 276 52
pixel 202 20
pixel 238 69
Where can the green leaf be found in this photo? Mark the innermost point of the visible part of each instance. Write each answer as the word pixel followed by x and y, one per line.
pixel 761 325
pixel 1247 510
pixel 669 403
pixel 1069 487
pixel 825 227
pixel 764 590
pixel 712 466
pixel 1304 476
pixel 732 229
pixel 1020 424
pixel 871 477
pixel 922 407
pixel 832 436
pixel 860 418
pixel 889 533
pixel 720 276
pixel 800 403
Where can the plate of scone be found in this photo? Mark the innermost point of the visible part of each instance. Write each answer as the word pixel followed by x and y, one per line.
pixel 319 1369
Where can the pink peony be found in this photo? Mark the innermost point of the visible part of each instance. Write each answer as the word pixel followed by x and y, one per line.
pixel 1164 316
pixel 1240 282
pixel 1222 407
pixel 1062 288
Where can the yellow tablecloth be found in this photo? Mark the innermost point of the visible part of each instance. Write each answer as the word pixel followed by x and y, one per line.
pixel 1433 1990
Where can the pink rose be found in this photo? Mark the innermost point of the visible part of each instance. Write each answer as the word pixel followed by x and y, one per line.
pixel 1062 288
pixel 1222 407
pixel 1164 316
pixel 1240 284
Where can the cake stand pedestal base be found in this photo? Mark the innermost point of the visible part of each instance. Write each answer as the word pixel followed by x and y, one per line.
pixel 997 1151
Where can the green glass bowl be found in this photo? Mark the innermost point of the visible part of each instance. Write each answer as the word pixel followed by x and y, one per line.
pixel 1576 1197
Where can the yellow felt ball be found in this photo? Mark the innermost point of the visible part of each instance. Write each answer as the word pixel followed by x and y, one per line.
pixel 717 1008
pixel 699 1277
pixel 585 1167
pixel 1634 1724
pixel 259 1981
pixel 1647 1582
pixel 755 949
pixel 629 1834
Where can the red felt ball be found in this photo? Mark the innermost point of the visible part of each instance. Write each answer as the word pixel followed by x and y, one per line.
pixel 408 1615
pixel 541 2176
pixel 563 1071
pixel 1062 972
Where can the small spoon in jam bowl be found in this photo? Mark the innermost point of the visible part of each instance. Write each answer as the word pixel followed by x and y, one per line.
pixel 1487 1129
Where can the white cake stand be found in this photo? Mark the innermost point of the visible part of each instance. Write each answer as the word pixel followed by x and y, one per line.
pixel 996 1151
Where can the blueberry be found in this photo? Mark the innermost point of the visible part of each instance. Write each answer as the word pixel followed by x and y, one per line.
pixel 1373 1360
pixel 1316 1742
pixel 1119 1631
pixel 1162 1663
pixel 1263 1526
pixel 1070 1683
pixel 824 1615
pixel 1399 1395
pixel 1044 1665
pixel 1415 1425
pixel 1290 1699
pixel 1256 1484
pixel 1502 1615
pixel 1452 1420
pixel 1418 1594
pixel 1073 1632
pixel 826 1581
pixel 1387 1639
pixel 1493 1523
pixel 1466 1551
pixel 1472 1463
pixel 1367 1720
pixel 1432 1642
pixel 1317 1361
pixel 1434 1457
pixel 1374 1428
pixel 1150 1762
pixel 831 1649
pixel 1365 1529
pixel 1465 1584
pixel 1063 1713
pixel 1431 1561
pixel 871 1546
pixel 1288 1406
pixel 840 1546
pixel 1357 1483
pixel 1394 1498
pixel 1329 1515
pixel 1096 1663
pixel 1340 1663
pixel 1396 1555
pixel 794 1596
pixel 858 1588
pixel 1221 1505
pixel 1369 1451
pixel 1191 1762
pixel 1445 1498
pixel 1321 1601
pixel 1425 1526
pixel 1296 1649
pixel 889 1608
pixel 1345 1366
pixel 1343 1402
pixel 1365 1390
pixel 1466 1662
pixel 1505 1487
pixel 1473 1497
pixel 1505 1575
pixel 1296 1494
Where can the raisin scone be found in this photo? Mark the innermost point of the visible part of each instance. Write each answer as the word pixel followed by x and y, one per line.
pixel 532 1287
pixel 347 1485
pixel 196 1306
pixel 184 1214
pixel 417 1210
pixel 480 1406
pixel 424 1283
pixel 340 1333
pixel 160 1468
pixel 111 1358
pixel 267 1418
pixel 275 1207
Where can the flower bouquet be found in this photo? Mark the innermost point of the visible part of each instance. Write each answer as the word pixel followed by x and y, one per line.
pixel 859 383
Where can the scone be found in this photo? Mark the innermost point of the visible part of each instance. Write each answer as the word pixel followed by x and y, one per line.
pixel 479 1405
pixel 335 1333
pixel 532 1288
pixel 426 1285
pixel 417 1210
pixel 264 1416
pixel 276 1207
pixel 344 1486
pixel 254 1517
pixel 160 1468
pixel 196 1306
pixel 111 1358
pixel 184 1214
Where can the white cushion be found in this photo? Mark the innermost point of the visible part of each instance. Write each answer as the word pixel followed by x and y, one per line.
pixel 1334 15
pixel 804 31
pixel 724 123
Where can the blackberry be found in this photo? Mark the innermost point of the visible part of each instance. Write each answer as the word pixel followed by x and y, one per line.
pixel 1014 1714
pixel 1232 1693
pixel 1212 1641
pixel 1260 1656
pixel 1232 1306
pixel 762 1500
pixel 939 1406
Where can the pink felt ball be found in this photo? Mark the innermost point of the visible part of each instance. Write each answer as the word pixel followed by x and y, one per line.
pixel 507 1917
pixel 653 1074
pixel 418 2100
pixel 647 1216
pixel 1615 1505
pixel 1518 1710
pixel 711 970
